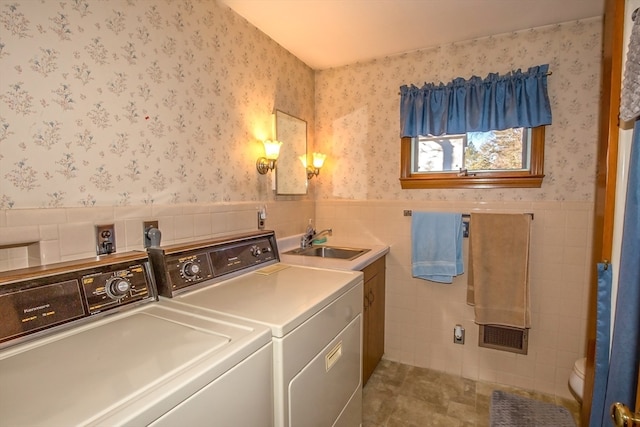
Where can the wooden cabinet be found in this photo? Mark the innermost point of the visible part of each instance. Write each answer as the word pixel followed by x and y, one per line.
pixel 373 317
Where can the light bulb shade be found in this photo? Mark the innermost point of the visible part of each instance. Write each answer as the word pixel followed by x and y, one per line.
pixel 318 160
pixel 272 149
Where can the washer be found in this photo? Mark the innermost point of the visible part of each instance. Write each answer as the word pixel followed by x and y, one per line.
pixel 88 343
pixel 315 317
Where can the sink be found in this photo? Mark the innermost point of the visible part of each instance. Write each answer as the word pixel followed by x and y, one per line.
pixel 329 252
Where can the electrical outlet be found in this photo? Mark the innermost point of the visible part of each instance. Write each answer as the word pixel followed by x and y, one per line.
pixel 260 222
pixel 458 334
pixel 146 226
pixel 105 239
pixel 465 228
pixel 262 217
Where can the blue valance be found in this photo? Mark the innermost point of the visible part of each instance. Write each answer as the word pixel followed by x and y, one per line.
pixel 516 99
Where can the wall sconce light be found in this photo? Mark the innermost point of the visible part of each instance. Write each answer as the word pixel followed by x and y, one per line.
pixel 317 163
pixel 268 162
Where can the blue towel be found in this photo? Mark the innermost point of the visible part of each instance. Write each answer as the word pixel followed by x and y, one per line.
pixel 436 246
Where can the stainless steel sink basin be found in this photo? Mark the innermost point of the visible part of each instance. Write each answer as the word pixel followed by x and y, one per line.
pixel 329 252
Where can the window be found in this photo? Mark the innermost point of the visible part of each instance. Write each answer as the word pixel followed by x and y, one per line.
pixel 498 150
pixel 495 159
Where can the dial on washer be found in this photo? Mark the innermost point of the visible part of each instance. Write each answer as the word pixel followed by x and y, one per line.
pixel 117 287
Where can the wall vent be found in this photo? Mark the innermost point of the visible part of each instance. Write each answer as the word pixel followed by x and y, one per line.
pixel 504 338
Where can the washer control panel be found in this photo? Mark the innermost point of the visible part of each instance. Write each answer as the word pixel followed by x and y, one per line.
pixel 104 290
pixel 37 300
pixel 178 268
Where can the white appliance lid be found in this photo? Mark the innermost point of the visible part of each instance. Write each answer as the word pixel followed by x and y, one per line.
pixel 82 375
pixel 281 296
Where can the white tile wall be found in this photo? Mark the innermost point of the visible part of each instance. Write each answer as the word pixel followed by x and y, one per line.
pixel 43 236
pixel 421 314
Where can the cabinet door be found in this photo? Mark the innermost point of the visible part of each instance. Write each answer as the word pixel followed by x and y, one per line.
pixel 373 315
pixel 376 318
pixel 367 361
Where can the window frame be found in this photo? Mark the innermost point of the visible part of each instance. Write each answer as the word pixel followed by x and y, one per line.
pixel 531 178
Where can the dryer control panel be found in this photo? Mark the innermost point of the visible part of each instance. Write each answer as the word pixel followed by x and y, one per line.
pixel 178 268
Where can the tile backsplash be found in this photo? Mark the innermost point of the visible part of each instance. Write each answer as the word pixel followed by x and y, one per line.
pixel 31 237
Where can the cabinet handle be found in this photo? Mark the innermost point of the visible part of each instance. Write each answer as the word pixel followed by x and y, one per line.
pixel 373 298
pixel 366 302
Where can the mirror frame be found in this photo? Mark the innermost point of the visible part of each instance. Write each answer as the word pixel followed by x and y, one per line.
pixel 291 176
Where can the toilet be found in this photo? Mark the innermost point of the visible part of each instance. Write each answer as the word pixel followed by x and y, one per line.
pixel 576 379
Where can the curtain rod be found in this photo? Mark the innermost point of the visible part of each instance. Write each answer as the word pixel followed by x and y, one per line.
pixel 409 212
pixel 548 73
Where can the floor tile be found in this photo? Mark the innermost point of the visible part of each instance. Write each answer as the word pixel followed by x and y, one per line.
pixel 399 395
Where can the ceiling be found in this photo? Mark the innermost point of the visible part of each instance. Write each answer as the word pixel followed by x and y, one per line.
pixel 333 33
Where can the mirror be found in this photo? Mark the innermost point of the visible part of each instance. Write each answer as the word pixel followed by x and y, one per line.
pixel 291 176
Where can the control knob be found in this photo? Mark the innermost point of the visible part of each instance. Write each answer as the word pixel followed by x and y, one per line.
pixel 190 269
pixel 255 251
pixel 117 287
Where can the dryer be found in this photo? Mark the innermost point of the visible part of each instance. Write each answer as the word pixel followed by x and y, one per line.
pixel 87 343
pixel 315 317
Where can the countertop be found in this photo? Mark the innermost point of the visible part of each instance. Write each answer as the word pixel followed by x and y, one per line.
pixel 291 242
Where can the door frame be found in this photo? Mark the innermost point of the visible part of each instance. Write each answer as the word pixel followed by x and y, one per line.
pixel 607 162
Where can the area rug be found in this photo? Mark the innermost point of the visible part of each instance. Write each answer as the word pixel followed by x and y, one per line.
pixel 509 410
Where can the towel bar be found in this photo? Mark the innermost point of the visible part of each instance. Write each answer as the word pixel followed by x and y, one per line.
pixel 409 212
pixel 465 220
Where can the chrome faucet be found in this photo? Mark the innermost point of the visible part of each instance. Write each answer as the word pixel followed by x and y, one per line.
pixel 308 238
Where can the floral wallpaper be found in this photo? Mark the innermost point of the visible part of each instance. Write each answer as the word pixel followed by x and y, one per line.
pixel 357 113
pixel 130 102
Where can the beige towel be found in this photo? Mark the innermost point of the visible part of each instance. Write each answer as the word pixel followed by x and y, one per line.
pixel 498 282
